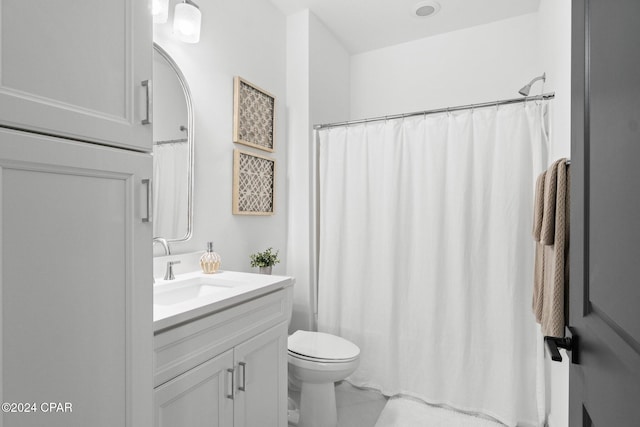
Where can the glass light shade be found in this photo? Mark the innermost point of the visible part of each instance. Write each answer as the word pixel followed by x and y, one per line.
pixel 186 23
pixel 160 11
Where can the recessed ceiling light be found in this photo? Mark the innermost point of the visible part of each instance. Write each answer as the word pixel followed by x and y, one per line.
pixel 424 9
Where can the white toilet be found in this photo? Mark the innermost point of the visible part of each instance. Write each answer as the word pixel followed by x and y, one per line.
pixel 316 361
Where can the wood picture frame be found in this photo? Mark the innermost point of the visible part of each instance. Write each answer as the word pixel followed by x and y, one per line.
pixel 254 178
pixel 254 118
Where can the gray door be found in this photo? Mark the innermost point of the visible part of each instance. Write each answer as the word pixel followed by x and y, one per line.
pixel 604 384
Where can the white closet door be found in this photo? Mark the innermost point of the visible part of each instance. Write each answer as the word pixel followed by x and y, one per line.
pixel 75 69
pixel 75 282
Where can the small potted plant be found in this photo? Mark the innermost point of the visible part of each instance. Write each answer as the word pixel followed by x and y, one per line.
pixel 265 260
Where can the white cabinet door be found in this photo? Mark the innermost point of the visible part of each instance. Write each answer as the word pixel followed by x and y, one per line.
pixel 75 69
pixel 261 391
pixel 201 397
pixel 75 282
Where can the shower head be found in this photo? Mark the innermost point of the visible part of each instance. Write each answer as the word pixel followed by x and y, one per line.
pixel 525 90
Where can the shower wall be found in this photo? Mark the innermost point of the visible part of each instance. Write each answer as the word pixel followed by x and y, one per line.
pixel 478 64
pixel 555 43
pixel 317 92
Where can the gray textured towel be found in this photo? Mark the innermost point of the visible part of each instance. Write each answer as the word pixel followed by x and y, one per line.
pixel 538 272
pixel 551 263
pixel 547 233
pixel 538 206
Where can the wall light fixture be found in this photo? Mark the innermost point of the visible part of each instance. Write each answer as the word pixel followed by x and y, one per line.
pixel 160 11
pixel 187 20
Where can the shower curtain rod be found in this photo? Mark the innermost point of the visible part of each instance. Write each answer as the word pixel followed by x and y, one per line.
pixel 543 97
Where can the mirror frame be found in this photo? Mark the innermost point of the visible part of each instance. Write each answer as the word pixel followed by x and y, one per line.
pixel 190 142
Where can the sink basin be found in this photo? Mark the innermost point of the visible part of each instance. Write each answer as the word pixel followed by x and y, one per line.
pixel 195 294
pixel 186 290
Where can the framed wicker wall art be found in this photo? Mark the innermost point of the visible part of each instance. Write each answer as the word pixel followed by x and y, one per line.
pixel 253 115
pixel 253 184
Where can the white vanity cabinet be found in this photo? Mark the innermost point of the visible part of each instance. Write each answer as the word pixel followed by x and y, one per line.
pixel 76 69
pixel 75 274
pixel 199 397
pixel 225 369
pixel 262 374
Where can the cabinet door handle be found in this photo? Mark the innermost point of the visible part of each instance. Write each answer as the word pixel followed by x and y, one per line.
pixel 148 85
pixel 149 185
pixel 230 382
pixel 244 376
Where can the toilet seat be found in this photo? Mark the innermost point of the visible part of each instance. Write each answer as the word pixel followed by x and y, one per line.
pixel 315 359
pixel 321 347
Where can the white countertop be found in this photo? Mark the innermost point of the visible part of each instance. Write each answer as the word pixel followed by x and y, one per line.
pixel 195 294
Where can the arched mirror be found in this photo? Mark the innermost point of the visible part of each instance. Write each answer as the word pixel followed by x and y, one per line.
pixel 173 145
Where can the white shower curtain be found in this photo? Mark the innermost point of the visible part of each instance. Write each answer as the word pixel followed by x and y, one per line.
pixel 425 254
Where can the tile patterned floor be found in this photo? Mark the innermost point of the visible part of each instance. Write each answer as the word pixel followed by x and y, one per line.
pixel 356 407
pixel 405 411
pixel 362 408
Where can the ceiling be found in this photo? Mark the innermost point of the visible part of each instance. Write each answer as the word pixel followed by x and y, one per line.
pixel 364 25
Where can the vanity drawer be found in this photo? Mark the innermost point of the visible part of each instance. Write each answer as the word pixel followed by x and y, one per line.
pixel 178 349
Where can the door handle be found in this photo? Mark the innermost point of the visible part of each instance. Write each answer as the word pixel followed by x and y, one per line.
pixel 568 343
pixel 243 367
pixel 230 382
pixel 148 85
pixel 553 344
pixel 149 185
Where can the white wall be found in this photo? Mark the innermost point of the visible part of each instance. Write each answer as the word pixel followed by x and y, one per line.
pixel 555 55
pixel 555 48
pixel 245 38
pixel 298 133
pixel 317 92
pixel 329 73
pixel 478 64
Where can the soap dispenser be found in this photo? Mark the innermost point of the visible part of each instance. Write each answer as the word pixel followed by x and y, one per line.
pixel 210 260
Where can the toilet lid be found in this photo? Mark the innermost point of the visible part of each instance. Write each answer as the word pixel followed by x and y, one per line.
pixel 318 345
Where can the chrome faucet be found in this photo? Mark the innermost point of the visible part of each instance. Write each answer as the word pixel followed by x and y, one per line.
pixel 169 274
pixel 164 244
